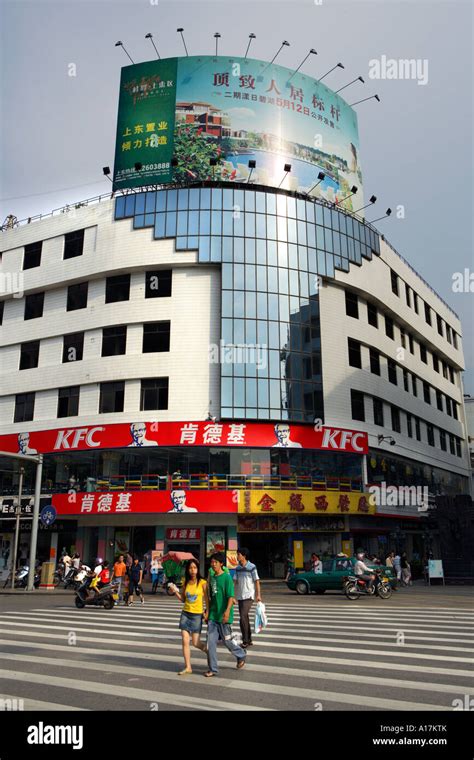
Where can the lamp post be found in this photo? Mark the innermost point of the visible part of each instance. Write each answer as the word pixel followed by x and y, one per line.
pixel 17 525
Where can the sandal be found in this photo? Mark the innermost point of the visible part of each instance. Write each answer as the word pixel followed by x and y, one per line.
pixel 185 672
pixel 240 664
pixel 209 674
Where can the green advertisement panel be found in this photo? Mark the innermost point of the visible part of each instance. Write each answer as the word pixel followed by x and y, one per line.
pixel 145 124
pixel 222 113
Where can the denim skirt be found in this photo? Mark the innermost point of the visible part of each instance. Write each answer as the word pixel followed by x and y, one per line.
pixel 191 622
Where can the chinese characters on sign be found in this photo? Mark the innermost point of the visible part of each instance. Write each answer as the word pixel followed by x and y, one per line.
pixel 307 502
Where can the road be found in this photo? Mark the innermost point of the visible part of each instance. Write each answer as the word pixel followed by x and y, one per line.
pixel 412 652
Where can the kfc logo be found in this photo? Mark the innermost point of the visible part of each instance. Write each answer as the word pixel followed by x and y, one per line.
pixel 70 439
pixel 342 439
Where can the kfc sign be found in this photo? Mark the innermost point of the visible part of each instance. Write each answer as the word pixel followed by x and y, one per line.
pixel 183 534
pixel 282 435
pixel 177 501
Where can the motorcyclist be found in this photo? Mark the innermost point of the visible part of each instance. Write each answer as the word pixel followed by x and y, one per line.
pixel 94 576
pixel 362 571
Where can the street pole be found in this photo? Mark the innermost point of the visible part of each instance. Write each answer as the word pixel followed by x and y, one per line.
pixel 34 525
pixel 17 525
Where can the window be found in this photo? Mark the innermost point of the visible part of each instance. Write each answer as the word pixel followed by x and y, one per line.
pixel 412 344
pixel 394 280
pixel 29 353
pixel 34 305
pixel 455 339
pixel 427 314
pixel 352 305
pixel 24 407
pixel 426 393
pixel 73 244
pixel 409 426
pixel 389 327
pixel 156 337
pixel 413 383
pixel 111 397
pixel 407 295
pixel 448 333
pixel 417 429
pixel 455 410
pixel 154 394
pixel 68 401
pixel 430 432
pixel 451 374
pixel 378 412
pixel 32 257
pixel 114 340
pixel 403 338
pixel 158 284
pixel 452 445
pixel 439 400
pixel 415 302
pixel 117 288
pixel 439 324
pixel 77 296
pixel 357 406
pixel 395 419
pixel 445 370
pixel 392 371
pixel 435 363
pixel 73 347
pixel 423 354
pixel 354 353
pixel 372 316
pixel 442 440
pixel 2 306
pixel 374 361
pixel 448 406
pixel 458 447
pixel 405 381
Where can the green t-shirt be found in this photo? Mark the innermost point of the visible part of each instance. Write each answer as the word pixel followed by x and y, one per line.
pixel 221 589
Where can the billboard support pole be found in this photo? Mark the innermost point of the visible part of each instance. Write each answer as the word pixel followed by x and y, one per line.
pixel 34 525
pixel 17 526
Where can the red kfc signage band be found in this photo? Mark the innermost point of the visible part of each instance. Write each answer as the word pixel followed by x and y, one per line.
pixel 176 502
pixel 144 434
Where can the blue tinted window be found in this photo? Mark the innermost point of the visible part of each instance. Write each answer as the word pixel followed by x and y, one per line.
pixel 272 252
pixel 216 198
pixel 260 202
pixel 160 226
pixel 261 227
pixel 193 223
pixel 130 205
pixel 291 205
pixel 182 223
pixel 183 202
pixel 161 200
pixel 251 305
pixel 228 199
pixel 249 200
pixel 239 249
pixel 301 209
pixel 194 198
pixel 171 225
pixel 205 197
pixel 227 254
pixel 249 251
pixel 293 256
pixel 172 200
pixel 216 219
pixel 239 273
pixel 204 222
pixel 228 223
pixel 262 306
pixel 239 304
pixel 249 224
pixel 291 231
pixel 150 202
pixel 216 248
pixel 138 221
pixel 120 207
pixel 271 203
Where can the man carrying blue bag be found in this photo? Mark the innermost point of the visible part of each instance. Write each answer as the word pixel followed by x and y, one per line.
pixel 247 587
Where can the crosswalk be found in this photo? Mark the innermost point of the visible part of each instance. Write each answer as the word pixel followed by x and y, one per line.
pixel 312 656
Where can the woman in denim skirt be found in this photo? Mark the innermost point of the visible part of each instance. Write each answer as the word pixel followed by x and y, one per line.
pixel 195 610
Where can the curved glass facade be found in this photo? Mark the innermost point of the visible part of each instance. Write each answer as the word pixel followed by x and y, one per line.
pixel 273 248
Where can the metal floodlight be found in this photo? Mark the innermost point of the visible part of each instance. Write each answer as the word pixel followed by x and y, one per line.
pixel 213 162
pixel 337 66
pixel 372 199
pixel 217 37
pixel 149 36
pixel 138 166
pixel 353 189
pixel 287 168
pixel 353 192
pixel 321 176
pixel 120 44
pixel 252 164
pixel 389 438
pixel 251 37
pixel 312 51
pixel 106 170
pixel 364 99
pixel 180 31
pixel 357 79
pixel 387 213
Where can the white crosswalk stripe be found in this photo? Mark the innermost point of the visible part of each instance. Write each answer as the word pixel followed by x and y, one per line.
pixel 311 656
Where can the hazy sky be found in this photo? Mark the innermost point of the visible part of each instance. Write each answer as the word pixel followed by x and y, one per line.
pixel 415 146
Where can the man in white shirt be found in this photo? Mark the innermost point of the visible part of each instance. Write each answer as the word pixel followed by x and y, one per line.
pixel 362 571
pixel 247 587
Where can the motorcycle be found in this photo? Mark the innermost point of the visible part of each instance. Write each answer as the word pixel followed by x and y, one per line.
pixel 105 597
pixel 353 586
pixel 21 578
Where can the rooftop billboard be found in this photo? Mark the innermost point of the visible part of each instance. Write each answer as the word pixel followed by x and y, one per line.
pixel 235 110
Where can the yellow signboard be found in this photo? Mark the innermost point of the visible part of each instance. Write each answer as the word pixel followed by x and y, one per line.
pixel 306 502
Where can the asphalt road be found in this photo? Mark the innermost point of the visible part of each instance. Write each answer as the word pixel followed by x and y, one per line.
pixel 412 652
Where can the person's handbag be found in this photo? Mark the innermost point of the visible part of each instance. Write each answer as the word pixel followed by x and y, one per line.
pixel 261 620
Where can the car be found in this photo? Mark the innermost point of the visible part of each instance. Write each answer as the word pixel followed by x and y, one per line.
pixel 334 570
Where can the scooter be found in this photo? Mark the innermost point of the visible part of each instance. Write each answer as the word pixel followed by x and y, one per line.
pixel 21 577
pixel 353 586
pixel 105 597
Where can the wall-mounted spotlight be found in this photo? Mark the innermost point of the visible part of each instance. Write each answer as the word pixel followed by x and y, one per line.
pixel 252 164
pixel 387 213
pixel 287 170
pixel 389 438
pixel 353 192
pixel 180 31
pixel 364 99
pixel 321 176
pixel 372 199
pixel 337 66
pixel 357 79
pixel 149 36
pixel 120 44
pixel 251 37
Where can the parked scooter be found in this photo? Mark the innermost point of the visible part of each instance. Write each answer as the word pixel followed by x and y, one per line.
pixel 105 597
pixel 353 586
pixel 21 577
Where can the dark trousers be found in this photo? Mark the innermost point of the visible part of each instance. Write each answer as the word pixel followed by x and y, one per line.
pixel 244 609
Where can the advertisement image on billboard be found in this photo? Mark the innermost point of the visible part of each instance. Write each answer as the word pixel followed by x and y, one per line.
pixel 232 111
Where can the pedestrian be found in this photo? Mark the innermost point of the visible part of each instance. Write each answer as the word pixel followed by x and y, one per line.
pixel 389 559
pixel 247 587
pixel 196 604
pixel 406 570
pixel 397 566
pixel 221 616
pixel 119 573
pixel 290 565
pixel 128 560
pixel 135 574
pixel 316 564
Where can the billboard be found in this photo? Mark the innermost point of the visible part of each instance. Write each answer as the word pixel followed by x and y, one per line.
pixel 235 110
pixel 143 434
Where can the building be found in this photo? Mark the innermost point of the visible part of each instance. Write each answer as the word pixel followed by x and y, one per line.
pixel 127 331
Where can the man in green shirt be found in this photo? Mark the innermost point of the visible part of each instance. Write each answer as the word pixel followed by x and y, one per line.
pixel 221 615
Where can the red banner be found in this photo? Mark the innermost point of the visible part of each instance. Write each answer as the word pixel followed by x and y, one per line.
pixel 145 434
pixel 178 501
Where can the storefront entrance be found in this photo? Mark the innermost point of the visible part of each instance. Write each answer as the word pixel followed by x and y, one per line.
pixel 267 551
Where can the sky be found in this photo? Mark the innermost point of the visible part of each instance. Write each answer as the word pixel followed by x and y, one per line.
pixel 416 151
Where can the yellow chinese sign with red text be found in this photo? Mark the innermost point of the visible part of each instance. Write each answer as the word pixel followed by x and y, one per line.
pixel 305 502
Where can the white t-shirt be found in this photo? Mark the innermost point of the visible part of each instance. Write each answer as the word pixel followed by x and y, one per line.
pixel 360 568
pixel 245 579
pixel 97 569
